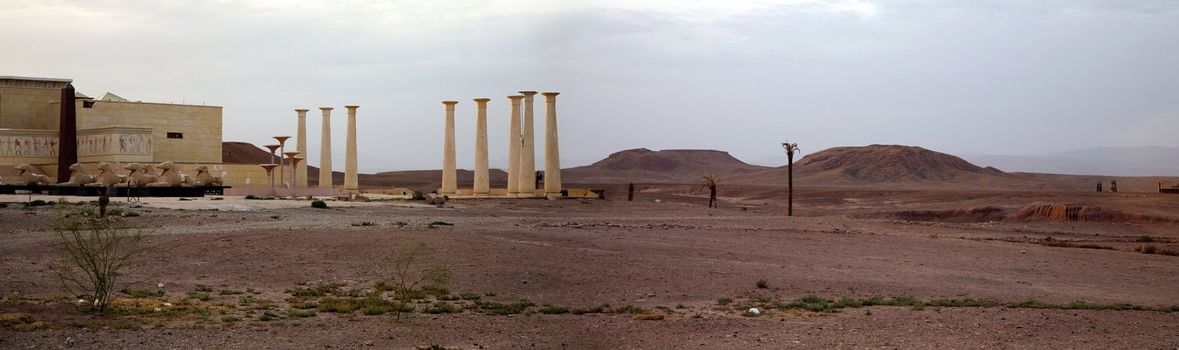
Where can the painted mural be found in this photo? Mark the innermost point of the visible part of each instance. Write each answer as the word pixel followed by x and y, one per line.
pixel 114 143
pixel 28 146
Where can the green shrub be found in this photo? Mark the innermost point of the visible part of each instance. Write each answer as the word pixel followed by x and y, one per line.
pixel 143 293
pixel 724 301
pixel 319 204
pixel 597 309
pixel 299 313
pixel 554 310
pixel 443 308
pixel 762 284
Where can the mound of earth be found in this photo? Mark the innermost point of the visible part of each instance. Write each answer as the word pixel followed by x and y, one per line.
pixel 672 166
pixel 233 152
pixel 1032 212
pixel 1069 212
pixel 890 165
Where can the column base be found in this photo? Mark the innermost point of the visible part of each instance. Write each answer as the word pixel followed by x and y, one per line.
pixel 552 196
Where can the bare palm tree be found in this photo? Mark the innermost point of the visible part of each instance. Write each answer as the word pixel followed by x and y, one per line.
pixel 791 148
pixel 709 182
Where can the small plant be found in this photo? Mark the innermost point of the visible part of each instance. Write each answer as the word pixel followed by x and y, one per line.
pixel 629 309
pixel 554 310
pixel 648 316
pixel 227 291
pixel 724 301
pixel 597 309
pixel 364 223
pixel 230 318
pixel 443 308
pixel 762 284
pixel 494 308
pixel 202 296
pixel 250 196
pixel 319 204
pixel 1145 239
pixel 469 296
pixel 143 293
pixel 267 316
pixel 300 313
pixel 409 276
pixel 93 254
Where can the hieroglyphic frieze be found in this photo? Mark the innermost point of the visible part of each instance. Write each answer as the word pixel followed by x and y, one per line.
pixel 28 145
pixel 115 143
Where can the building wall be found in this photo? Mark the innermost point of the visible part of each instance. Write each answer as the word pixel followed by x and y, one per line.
pixel 24 104
pixel 199 125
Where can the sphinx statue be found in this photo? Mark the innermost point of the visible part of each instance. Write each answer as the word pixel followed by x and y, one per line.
pixel 106 176
pixel 169 177
pixel 78 176
pixel 28 177
pixel 139 176
pixel 204 178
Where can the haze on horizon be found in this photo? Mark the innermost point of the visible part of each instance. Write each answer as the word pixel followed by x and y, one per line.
pixel 997 77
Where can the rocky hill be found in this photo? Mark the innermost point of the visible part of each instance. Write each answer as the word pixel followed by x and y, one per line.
pixel 644 165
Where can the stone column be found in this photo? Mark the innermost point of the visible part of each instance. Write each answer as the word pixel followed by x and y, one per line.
pixel 350 181
pixel 67 131
pixel 449 181
pixel 482 185
pixel 325 149
pixel 301 147
pixel 514 147
pixel 552 159
pixel 527 168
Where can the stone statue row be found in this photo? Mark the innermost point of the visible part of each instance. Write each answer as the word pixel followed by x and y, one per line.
pixel 140 175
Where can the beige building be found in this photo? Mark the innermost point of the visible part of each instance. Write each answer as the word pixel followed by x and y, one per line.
pixel 110 129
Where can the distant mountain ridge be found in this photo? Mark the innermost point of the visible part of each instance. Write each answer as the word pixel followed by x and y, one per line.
pixel 1114 161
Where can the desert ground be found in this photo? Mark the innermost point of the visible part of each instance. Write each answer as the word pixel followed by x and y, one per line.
pixel 954 269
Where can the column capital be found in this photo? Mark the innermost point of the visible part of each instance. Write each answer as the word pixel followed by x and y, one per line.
pixel 326 109
pixel 550 94
pixel 450 103
pixel 482 102
pixel 352 107
pixel 482 99
pixel 528 93
pixel 301 110
pixel 515 98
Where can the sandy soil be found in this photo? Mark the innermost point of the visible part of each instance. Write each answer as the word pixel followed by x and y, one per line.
pixel 663 250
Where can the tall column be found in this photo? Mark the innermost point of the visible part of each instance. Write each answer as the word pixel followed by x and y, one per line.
pixel 325 149
pixel 527 168
pixel 482 185
pixel 514 147
pixel 67 134
pixel 449 181
pixel 301 147
pixel 350 182
pixel 552 159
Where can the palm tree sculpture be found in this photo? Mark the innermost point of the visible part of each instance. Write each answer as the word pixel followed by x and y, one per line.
pixel 790 149
pixel 709 182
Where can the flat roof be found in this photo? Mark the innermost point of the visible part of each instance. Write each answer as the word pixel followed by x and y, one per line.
pixel 12 77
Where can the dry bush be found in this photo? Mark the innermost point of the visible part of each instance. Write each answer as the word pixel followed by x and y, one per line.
pixel 94 251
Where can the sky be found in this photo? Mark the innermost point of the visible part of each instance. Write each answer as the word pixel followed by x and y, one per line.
pixel 996 77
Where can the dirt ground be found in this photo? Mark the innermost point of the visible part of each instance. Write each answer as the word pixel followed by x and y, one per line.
pixel 664 253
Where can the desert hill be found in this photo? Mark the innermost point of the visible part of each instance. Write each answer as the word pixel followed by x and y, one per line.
pixel 672 166
pixel 891 165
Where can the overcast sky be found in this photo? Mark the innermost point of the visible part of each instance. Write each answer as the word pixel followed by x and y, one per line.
pixel 1001 77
